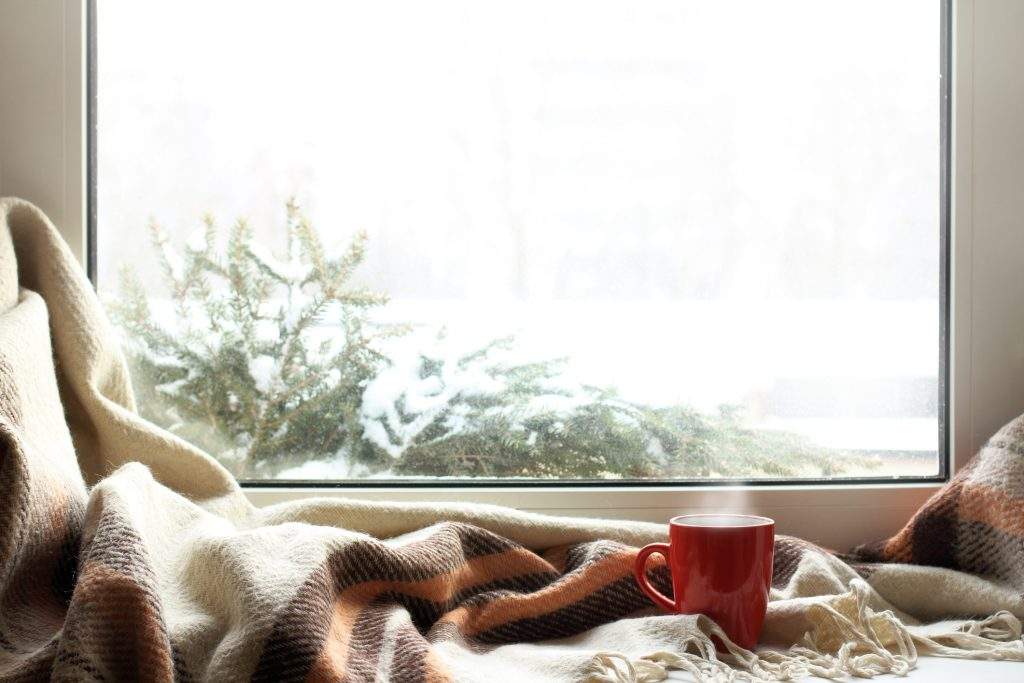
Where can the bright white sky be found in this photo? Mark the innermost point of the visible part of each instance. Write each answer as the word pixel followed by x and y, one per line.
pixel 693 200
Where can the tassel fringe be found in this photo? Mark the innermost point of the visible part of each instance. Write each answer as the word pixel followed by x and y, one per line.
pixel 849 639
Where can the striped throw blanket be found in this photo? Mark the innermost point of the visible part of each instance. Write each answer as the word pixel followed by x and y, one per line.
pixel 128 555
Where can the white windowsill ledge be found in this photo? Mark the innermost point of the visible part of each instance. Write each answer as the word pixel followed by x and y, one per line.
pixel 836 516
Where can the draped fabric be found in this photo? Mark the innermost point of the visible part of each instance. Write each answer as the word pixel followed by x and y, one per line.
pixel 127 554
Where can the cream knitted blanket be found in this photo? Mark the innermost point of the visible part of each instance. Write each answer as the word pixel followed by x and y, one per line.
pixel 126 554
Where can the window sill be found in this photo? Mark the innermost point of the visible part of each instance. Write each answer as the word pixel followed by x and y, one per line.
pixel 836 516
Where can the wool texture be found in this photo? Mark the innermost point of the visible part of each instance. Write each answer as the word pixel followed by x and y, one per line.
pixel 126 554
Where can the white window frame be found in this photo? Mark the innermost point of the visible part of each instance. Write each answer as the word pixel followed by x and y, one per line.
pixel 43 159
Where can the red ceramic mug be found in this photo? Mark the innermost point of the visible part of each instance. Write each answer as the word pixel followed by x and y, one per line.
pixel 721 566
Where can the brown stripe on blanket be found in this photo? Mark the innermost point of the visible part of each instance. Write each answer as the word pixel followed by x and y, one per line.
pixel 973 524
pixel 435 669
pixel 788 553
pixel 383 645
pixel 41 577
pixel 427 600
pixel 114 627
pixel 356 642
pixel 584 554
pixel 386 646
pixel 302 634
pixel 41 523
pixel 513 593
pixel 567 558
pixel 412 659
pixel 932 533
pixel 927 537
pixel 505 567
pixel 616 600
pixel 570 588
pixel 864 570
pixel 446 549
pixel 364 644
pixel 992 507
pixel 425 613
pixel 426 577
pixel 987 551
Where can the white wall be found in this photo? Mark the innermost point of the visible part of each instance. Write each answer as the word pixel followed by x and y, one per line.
pixel 988 220
pixel 41 109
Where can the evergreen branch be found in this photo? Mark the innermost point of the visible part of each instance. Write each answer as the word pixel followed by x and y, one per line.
pixel 239 371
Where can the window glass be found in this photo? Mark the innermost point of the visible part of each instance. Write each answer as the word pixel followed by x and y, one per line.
pixel 527 240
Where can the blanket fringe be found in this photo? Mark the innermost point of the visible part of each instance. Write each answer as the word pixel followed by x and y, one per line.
pixel 873 643
pixel 996 638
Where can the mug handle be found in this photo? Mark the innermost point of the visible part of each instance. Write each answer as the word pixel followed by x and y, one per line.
pixel 640 572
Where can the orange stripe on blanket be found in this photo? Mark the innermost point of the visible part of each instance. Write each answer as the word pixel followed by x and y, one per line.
pixel 944 503
pixel 979 503
pixel 120 617
pixel 442 587
pixel 333 660
pixel 437 671
pixel 571 588
pixel 351 602
pixel 558 557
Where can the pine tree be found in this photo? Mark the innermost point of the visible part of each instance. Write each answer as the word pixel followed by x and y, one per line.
pixel 241 365
pixel 270 362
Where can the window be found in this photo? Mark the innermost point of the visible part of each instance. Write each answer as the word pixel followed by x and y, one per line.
pixel 560 241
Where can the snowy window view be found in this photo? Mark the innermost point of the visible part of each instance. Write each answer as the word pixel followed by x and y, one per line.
pixel 569 239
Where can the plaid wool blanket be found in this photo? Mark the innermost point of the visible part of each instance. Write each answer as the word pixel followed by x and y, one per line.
pixel 126 554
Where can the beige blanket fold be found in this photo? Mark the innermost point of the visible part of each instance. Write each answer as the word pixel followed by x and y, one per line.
pixel 127 554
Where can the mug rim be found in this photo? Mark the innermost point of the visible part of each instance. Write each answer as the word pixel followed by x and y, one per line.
pixel 761 520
